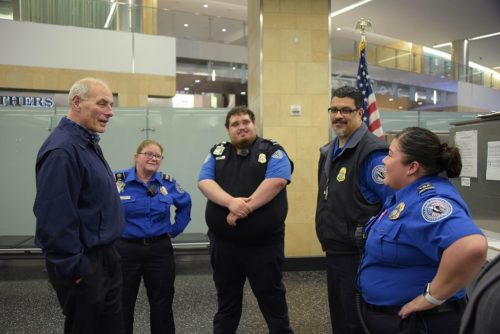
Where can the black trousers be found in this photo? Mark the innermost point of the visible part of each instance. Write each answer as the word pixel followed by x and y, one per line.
pixel 94 305
pixel 341 271
pixel 154 263
pixel 427 322
pixel 232 264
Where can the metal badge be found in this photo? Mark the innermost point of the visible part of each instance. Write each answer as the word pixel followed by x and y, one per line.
pixel 219 149
pixel 163 190
pixel 341 174
pixel 262 158
pixel 397 211
pixel 120 186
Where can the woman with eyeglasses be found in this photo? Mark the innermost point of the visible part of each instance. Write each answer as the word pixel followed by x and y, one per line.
pixel 146 249
pixel 423 247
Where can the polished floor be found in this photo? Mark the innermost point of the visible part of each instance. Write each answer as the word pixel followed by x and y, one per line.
pixel 28 304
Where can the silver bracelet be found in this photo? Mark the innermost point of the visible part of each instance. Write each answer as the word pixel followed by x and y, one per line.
pixel 429 298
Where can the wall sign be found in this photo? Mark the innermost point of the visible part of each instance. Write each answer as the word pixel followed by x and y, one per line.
pixel 26 101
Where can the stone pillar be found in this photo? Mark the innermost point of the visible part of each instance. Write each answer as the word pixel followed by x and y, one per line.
pixel 460 59
pixel 289 90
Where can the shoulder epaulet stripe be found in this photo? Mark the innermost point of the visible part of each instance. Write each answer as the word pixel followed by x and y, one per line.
pixel 166 177
pixel 120 176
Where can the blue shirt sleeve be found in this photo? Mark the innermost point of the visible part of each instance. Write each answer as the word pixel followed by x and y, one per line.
pixel 371 178
pixel 182 203
pixel 279 166
pixel 207 169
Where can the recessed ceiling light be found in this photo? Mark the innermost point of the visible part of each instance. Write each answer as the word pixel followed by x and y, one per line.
pixel 205 6
pixel 348 8
pixel 186 25
pixel 223 29
pixel 234 68
pixel 197 81
pixel 186 88
pixel 339 28
pixel 484 36
pixel 391 99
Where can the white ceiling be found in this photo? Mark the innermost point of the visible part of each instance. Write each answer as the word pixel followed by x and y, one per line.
pixel 423 22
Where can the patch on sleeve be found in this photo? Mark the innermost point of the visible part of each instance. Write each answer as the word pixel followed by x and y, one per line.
pixel 278 154
pixel 179 188
pixel 425 187
pixel 436 209
pixel 378 174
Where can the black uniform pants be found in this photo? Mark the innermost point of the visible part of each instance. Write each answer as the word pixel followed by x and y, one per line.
pixel 444 319
pixel 155 263
pixel 94 305
pixel 232 264
pixel 341 271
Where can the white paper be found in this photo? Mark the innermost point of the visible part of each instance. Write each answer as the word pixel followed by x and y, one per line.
pixel 466 141
pixel 465 181
pixel 493 161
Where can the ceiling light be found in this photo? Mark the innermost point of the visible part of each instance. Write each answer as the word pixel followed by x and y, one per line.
pixel 243 93
pixel 186 25
pixel 234 68
pixel 484 36
pixel 348 8
pixel 496 67
pixel 391 99
pixel 197 81
pixel 186 88
pixel 205 6
pixel 339 28
pixel 419 103
pixel 223 30
pixel 442 45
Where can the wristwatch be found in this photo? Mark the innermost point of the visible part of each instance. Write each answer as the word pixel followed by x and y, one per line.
pixel 429 298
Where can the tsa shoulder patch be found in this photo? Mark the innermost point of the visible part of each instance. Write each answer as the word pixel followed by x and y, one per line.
pixel 436 209
pixel 278 154
pixel 378 174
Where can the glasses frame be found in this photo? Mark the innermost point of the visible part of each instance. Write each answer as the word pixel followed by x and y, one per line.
pixel 342 111
pixel 151 155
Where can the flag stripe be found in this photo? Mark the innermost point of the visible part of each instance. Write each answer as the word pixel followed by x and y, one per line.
pixel 371 116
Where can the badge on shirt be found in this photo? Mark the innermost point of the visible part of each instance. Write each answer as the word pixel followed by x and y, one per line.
pixel 222 157
pixel 120 186
pixel 278 154
pixel 397 211
pixel 219 149
pixel 341 174
pixel 262 158
pixel 163 190
pixel 378 174
pixel 436 209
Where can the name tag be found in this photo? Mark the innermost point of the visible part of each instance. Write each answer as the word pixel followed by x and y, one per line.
pixel 124 197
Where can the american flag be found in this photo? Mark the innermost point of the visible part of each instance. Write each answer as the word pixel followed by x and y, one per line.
pixel 371 116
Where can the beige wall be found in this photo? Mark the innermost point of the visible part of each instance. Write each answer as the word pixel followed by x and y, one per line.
pixel 293 70
pixel 132 89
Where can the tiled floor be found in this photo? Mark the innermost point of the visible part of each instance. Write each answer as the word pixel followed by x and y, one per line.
pixel 28 304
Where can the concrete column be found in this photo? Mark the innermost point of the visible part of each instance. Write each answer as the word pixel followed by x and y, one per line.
pixel 289 90
pixel 460 59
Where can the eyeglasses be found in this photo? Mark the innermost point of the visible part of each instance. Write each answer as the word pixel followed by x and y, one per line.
pixel 151 155
pixel 342 111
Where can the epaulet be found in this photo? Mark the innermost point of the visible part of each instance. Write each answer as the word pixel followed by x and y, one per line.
pixel 427 186
pixel 166 177
pixel 272 141
pixel 120 176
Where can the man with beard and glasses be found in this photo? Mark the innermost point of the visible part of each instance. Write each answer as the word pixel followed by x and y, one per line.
pixel 350 190
pixel 245 182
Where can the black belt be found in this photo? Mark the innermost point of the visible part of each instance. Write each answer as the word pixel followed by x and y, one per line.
pixel 147 241
pixel 448 306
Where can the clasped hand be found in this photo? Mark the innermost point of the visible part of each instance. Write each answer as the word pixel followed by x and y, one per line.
pixel 238 208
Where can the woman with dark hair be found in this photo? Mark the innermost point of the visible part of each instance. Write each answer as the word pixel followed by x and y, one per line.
pixel 422 248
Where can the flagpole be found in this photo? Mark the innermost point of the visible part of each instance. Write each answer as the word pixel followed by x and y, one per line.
pixel 371 115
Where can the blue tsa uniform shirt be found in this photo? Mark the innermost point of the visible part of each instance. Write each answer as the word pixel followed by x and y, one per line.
pixel 148 207
pixel 407 239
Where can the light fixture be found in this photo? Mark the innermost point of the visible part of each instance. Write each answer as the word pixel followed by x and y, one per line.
pixel 339 28
pixel 197 81
pixel 205 6
pixel 434 97
pixel 223 30
pixel 348 8
pixel 391 99
pixel 441 45
pixel 110 15
pixel 186 88
pixel 243 93
pixel 416 96
pixel 213 75
pixel 234 68
pixel 484 36
pixel 496 68
pixel 186 25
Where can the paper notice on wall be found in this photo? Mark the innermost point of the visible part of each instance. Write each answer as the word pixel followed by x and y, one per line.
pixel 466 141
pixel 493 161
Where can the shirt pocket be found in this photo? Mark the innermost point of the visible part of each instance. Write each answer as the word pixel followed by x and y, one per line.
pixel 386 234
